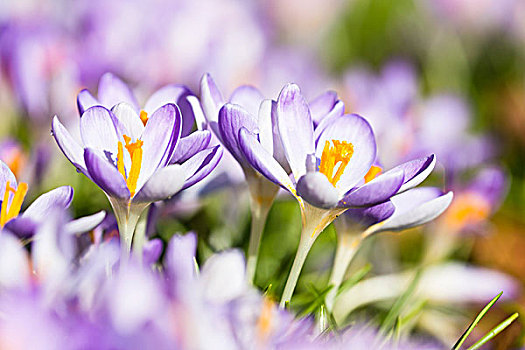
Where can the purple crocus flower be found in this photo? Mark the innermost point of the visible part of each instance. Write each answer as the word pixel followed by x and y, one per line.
pixel 12 195
pixel 130 158
pixel 331 165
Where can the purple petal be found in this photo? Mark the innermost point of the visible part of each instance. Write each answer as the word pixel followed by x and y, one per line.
pixel 366 217
pixel 416 207
pixel 180 256
pixel 160 137
pixel 296 128
pixel 106 175
pixel 60 197
pixel 231 119
pixel 211 98
pixel 22 227
pixel 315 188
pixel 85 100
pixel 188 146
pixel 98 131
pixel 322 105
pixel 201 165
pixel 132 126
pixel 6 175
pixel 71 149
pixel 336 112
pixel 262 161
pixel 152 251
pixel 269 133
pixel 85 223
pixel 376 191
pixel 248 97
pixel 416 171
pixel 163 184
pixel 176 94
pixel 354 129
pixel 491 184
pixel 112 91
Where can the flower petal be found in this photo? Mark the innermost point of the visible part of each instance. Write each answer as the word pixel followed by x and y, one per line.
pixel 98 131
pixel 315 188
pixel 6 175
pixel 336 112
pixel 177 94
pixel 416 171
pixel 163 184
pixel 296 128
pixel 22 227
pixel 231 119
pixel 415 207
pixel 201 165
pixel 152 251
pixel 85 100
pixel 248 97
pixel 60 197
pixel 85 223
pixel 366 217
pixel 112 91
pixel 211 98
pixel 129 119
pixel 160 137
pixel 188 146
pixel 376 191
pixel 67 144
pixel 179 258
pixel 322 105
pixel 105 175
pixel 262 161
pixel 356 130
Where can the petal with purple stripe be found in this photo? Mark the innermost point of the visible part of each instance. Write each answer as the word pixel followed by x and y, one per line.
pixel 322 105
pixel 211 98
pixel 416 171
pixel 98 131
pixel 67 144
pixel 366 217
pixel 296 128
pixel 249 97
pixel 85 100
pixel 105 175
pixel 163 184
pixel 201 165
pixel 376 191
pixel 188 146
pixel 60 197
pixel 315 188
pixel 336 112
pixel 231 119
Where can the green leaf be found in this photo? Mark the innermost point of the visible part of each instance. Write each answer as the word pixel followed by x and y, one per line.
pixel 494 331
pixel 355 278
pixel 478 318
pixel 398 306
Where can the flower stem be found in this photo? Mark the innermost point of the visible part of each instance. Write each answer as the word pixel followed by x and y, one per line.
pixel 259 215
pixel 139 237
pixel 347 246
pixel 305 244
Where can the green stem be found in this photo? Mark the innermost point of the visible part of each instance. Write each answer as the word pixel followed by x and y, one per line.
pixel 347 246
pixel 260 212
pixel 139 237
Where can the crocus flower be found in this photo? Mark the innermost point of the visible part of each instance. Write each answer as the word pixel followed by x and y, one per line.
pixel 130 161
pixel 332 167
pixel 412 208
pixel 12 195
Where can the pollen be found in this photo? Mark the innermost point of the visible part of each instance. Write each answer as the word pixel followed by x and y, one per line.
pixel 372 173
pixel 135 153
pixel 144 117
pixel 335 158
pixel 9 212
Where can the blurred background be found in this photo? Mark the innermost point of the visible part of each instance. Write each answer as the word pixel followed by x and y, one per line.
pixel 442 76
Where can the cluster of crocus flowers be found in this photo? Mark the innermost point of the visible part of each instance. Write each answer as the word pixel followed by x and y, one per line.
pixel 134 156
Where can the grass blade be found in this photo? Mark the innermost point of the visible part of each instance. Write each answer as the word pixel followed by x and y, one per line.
pixel 494 331
pixel 474 323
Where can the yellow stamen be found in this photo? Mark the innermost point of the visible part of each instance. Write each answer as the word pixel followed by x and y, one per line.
pixel 144 117
pixel 467 209
pixel 16 203
pixel 135 152
pixel 372 173
pixel 264 323
pixel 340 152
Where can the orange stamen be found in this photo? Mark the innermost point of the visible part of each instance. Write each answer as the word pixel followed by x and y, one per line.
pixel 264 323
pixel 339 153
pixel 372 173
pixel 16 203
pixel 135 152
pixel 144 117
